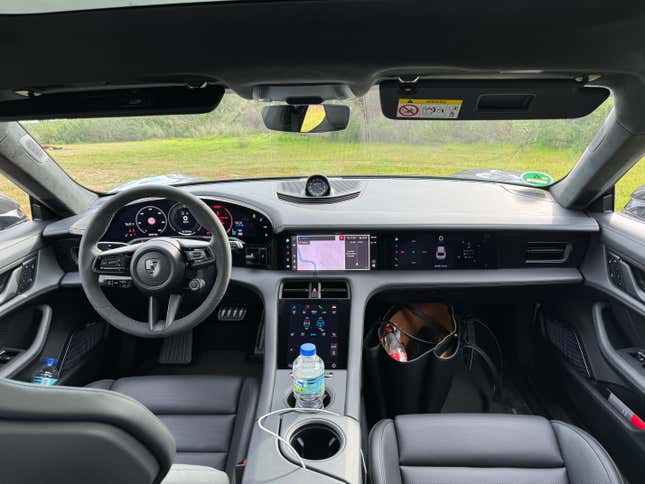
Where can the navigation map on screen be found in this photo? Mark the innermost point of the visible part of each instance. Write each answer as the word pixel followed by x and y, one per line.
pixel 331 252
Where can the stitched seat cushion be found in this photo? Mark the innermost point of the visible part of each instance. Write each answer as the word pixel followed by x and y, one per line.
pixel 210 417
pixel 486 449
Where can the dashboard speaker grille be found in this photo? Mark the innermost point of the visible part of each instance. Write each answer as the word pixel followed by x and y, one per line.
pixel 319 200
pixel 341 190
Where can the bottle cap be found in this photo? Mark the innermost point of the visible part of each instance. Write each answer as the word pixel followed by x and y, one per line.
pixel 51 361
pixel 308 349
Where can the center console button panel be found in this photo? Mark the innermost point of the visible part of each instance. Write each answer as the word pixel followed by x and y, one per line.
pixel 314 312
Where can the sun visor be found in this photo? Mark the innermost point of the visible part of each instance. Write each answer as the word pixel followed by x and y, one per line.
pixel 94 103
pixel 489 99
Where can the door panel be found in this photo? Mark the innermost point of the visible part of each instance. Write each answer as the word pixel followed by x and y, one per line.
pixel 607 315
pixel 28 271
pixel 41 318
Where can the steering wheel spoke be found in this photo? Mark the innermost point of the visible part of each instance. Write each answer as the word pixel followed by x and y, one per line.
pixel 154 323
pixel 115 262
pixel 153 313
pixel 173 308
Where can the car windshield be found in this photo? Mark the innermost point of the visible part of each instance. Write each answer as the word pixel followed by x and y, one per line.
pixel 233 143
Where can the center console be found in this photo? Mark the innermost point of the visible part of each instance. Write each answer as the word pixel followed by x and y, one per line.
pixel 318 312
pixel 315 310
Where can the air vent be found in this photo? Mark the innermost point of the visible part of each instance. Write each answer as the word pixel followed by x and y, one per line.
pixel 547 252
pixel 298 289
pixel 295 290
pixel 334 290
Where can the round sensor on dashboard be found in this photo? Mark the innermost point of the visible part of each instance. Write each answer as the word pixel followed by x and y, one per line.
pixel 317 186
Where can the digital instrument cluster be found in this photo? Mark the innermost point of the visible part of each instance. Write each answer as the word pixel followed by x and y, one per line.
pixel 157 218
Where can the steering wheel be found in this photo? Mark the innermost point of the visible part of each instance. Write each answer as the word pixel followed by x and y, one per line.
pixel 158 268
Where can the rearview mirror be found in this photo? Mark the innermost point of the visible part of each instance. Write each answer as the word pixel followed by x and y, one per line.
pixel 312 118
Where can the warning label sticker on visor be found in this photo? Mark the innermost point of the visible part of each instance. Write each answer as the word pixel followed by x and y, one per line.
pixel 428 108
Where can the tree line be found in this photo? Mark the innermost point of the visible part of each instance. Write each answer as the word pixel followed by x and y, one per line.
pixel 237 117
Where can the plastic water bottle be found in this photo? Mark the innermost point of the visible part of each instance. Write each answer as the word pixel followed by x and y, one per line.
pixel 48 374
pixel 308 378
pixel 392 343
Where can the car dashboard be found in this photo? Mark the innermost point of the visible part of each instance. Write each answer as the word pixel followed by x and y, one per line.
pixel 390 224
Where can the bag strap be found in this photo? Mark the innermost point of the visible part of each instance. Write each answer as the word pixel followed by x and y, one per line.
pixel 495 374
pixel 435 326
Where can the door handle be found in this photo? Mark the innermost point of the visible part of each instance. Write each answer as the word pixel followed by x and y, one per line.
pixel 619 360
pixel 18 363
pixel 622 274
pixel 11 287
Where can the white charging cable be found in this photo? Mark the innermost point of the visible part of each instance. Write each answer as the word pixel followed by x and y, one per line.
pixel 282 439
pixel 287 443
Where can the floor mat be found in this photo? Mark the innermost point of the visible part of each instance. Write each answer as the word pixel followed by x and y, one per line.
pixel 211 363
pixel 472 392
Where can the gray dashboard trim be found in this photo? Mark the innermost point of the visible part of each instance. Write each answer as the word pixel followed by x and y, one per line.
pixel 393 203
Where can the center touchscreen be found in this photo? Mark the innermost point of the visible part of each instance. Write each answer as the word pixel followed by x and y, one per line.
pixel 330 252
pixel 317 323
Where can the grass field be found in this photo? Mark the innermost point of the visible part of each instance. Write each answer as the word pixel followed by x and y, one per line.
pixel 102 166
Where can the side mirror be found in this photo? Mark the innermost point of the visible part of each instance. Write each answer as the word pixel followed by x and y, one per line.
pixel 10 212
pixel 311 118
pixel 636 205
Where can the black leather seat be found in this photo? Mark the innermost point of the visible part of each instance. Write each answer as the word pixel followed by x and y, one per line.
pixel 80 435
pixel 210 417
pixel 486 449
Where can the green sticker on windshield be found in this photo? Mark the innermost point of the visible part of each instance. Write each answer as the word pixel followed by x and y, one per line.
pixel 537 178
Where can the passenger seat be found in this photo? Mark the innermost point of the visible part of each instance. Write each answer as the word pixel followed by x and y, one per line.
pixel 486 449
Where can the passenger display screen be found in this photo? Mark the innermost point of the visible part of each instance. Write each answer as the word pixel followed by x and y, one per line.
pixel 436 250
pixel 330 252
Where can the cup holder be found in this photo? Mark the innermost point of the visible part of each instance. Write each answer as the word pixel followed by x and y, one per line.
pixel 316 441
pixel 291 399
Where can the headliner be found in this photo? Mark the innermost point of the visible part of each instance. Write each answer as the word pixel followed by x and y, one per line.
pixel 356 42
